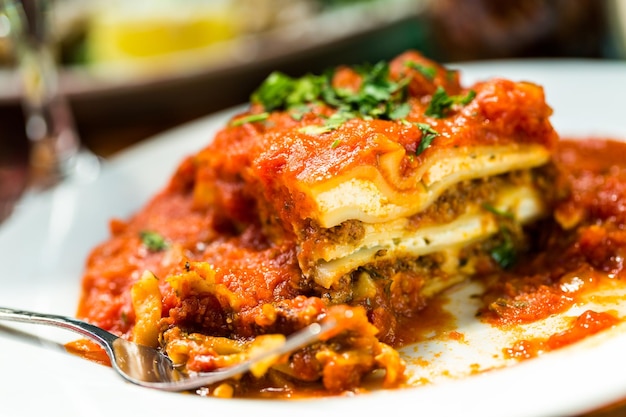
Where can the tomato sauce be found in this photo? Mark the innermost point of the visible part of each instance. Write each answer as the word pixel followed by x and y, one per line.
pixel 89 350
pixel 588 323
pixel 574 253
pixel 433 319
pixel 214 220
pixel 577 253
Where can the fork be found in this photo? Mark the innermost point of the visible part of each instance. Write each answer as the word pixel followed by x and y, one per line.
pixel 149 367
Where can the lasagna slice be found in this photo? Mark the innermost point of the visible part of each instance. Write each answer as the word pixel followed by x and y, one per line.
pixel 358 194
pixel 456 197
pixel 395 199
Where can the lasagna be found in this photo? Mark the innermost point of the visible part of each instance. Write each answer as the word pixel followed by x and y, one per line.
pixel 358 194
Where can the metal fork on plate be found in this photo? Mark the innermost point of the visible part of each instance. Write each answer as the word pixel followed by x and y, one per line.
pixel 150 367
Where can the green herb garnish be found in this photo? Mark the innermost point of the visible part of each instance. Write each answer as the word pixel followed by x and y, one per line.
pixel 378 97
pixel 306 90
pixel 441 103
pixel 504 254
pixel 466 99
pixel 251 118
pixel 333 122
pixel 297 112
pixel 281 92
pixel 400 111
pixel 426 71
pixel 153 241
pixel 428 135
pixel 498 212
pixel 273 92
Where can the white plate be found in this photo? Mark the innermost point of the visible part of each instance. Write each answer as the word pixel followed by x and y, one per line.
pixel 44 245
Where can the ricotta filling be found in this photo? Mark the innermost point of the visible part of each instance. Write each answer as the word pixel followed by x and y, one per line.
pixel 379 199
pixel 392 240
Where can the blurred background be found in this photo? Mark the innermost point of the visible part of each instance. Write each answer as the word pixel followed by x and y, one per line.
pixel 132 69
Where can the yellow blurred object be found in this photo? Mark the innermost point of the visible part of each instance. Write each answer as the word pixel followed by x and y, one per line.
pixel 134 34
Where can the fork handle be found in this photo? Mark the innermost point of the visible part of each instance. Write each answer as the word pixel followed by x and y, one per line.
pixel 95 333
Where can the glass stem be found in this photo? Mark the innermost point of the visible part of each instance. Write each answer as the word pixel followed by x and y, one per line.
pixel 55 144
pixel 49 124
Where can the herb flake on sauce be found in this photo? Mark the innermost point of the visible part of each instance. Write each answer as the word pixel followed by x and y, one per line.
pixel 153 241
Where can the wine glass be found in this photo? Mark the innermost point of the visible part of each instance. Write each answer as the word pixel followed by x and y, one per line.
pixel 55 149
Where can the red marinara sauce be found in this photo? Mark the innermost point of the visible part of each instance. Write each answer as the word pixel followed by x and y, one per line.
pixel 580 249
pixel 587 324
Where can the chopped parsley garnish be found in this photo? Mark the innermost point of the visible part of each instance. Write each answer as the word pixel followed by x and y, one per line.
pixel 332 123
pixel 504 254
pixel 428 135
pixel 297 112
pixel 280 91
pixel 153 241
pixel 498 212
pixel 379 97
pixel 441 103
pixel 251 118
pixel 305 90
pixel 426 71
pixel 400 111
